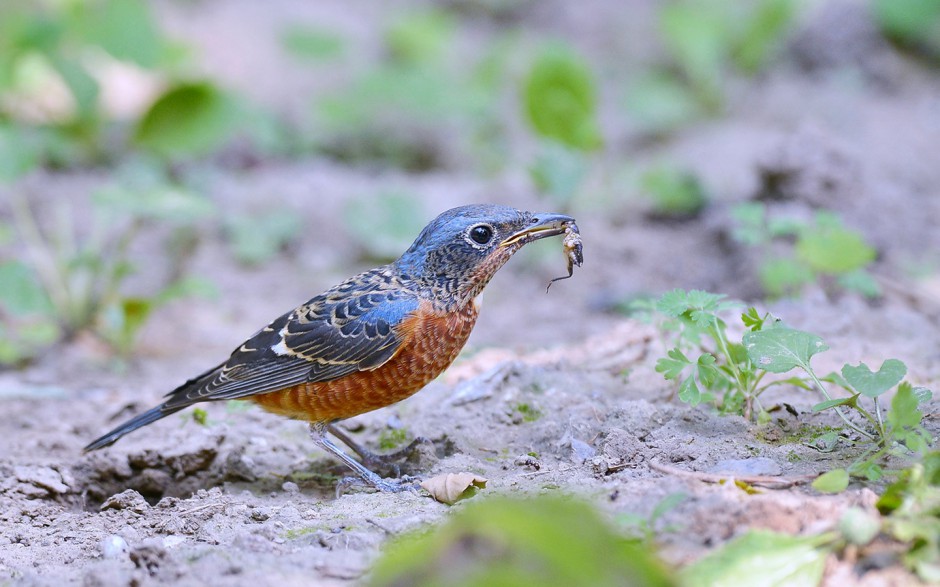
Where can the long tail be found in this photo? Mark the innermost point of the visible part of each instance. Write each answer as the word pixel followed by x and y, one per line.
pixel 134 423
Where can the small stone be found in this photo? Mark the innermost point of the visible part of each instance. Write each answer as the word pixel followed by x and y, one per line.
pixel 582 450
pixel 290 487
pixel 113 547
pixel 126 500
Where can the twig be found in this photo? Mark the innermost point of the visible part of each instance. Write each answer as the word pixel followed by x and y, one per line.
pixel 761 480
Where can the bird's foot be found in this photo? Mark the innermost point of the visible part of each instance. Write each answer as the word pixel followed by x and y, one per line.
pixel 389 485
pixel 392 460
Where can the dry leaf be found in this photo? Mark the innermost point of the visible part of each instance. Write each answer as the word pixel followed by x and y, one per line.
pixel 450 487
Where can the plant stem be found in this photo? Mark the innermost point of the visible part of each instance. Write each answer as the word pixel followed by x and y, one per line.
pixel 836 408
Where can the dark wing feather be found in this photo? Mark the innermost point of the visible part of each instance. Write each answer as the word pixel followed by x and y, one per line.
pixel 325 339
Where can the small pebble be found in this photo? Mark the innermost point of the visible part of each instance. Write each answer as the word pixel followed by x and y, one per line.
pixel 114 547
pixel 290 487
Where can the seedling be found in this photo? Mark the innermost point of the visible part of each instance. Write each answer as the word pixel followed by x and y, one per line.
pixel 739 370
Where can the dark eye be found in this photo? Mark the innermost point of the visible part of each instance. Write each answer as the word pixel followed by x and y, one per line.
pixel 481 234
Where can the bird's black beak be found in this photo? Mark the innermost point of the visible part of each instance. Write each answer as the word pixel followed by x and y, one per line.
pixel 541 226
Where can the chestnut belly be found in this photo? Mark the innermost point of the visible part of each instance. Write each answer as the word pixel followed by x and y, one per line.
pixel 430 344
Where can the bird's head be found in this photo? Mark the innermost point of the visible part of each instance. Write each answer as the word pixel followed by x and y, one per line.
pixel 458 252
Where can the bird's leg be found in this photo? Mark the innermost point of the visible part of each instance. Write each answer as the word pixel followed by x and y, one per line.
pixel 372 460
pixel 318 434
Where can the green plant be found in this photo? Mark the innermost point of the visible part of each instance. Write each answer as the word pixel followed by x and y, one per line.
pixel 75 266
pixel 913 23
pixel 560 98
pixel 738 370
pixel 912 508
pixel 674 193
pixel 707 41
pixel 392 438
pixel 544 540
pixel 404 109
pixel 795 253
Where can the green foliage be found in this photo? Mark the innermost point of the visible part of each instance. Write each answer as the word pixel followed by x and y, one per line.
pixel 835 481
pixel 404 108
pixel 311 43
pixel 189 120
pixel 560 98
pixel 795 253
pixel 547 541
pixel 912 507
pixel 558 172
pixel 762 558
pixel 43 44
pixel 914 23
pixel 255 238
pixel 674 193
pixel 384 224
pixel 392 438
pixel 737 371
pixel 659 102
pixel 708 39
pixel 69 275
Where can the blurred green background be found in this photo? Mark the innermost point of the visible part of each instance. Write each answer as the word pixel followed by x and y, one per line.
pixel 140 107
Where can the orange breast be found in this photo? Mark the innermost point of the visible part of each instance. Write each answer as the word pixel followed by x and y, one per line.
pixel 430 343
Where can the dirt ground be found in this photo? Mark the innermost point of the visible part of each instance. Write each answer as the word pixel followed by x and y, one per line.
pixel 247 499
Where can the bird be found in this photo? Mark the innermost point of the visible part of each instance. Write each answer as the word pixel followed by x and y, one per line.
pixel 373 339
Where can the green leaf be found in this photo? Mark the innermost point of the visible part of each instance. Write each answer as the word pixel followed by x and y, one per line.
pixel 312 43
pixel 708 373
pixel 190 119
pixel 559 171
pixel 124 28
pixel 845 401
pixel 545 541
pixel 18 154
pixel 922 394
pixel 860 281
pixel 870 384
pixel 672 366
pixel 760 558
pixel 422 36
pixel 20 292
pixel 673 192
pixel 781 276
pixel 779 350
pixel 560 98
pixel 913 22
pixel 83 87
pixel 834 481
pixel 752 319
pixel 765 29
pixel 689 392
pixel 904 411
pixel 697 39
pixel 858 526
pixel 659 102
pixel 833 249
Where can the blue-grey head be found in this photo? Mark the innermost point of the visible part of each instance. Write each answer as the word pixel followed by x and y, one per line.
pixel 458 252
